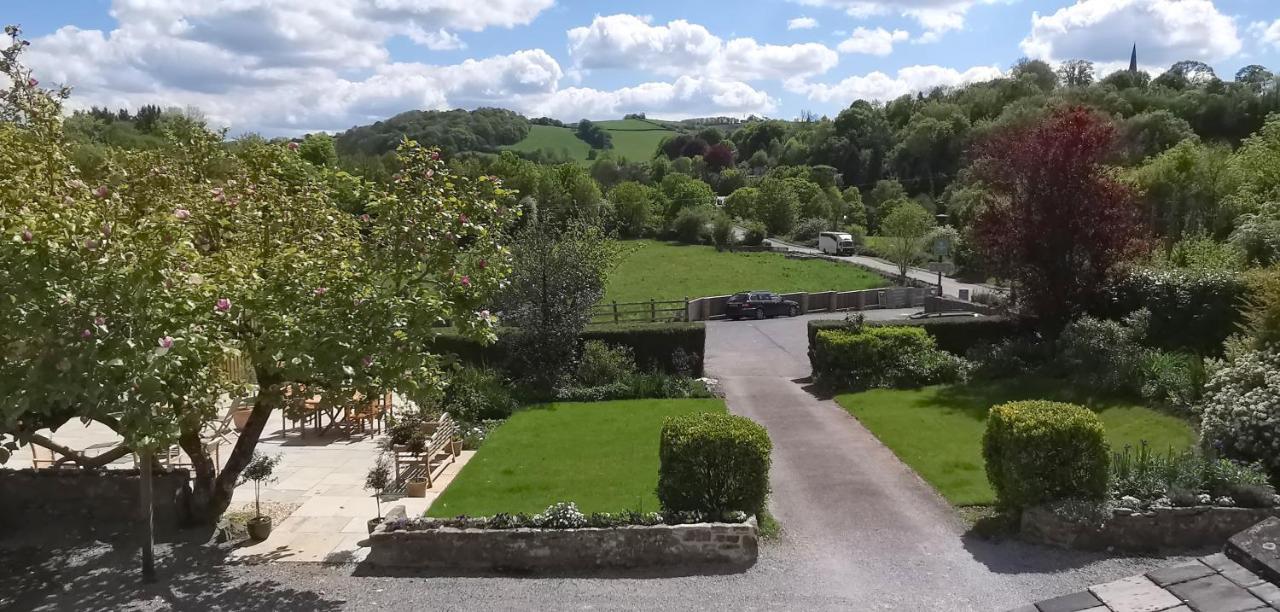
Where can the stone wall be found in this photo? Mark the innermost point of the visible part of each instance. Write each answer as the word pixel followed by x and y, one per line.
pixel 93 498
pixel 722 545
pixel 1163 529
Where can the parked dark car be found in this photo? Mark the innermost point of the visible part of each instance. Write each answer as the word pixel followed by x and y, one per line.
pixel 759 304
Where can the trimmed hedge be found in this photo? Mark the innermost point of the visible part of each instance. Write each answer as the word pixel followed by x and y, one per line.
pixel 1190 310
pixel 872 357
pixel 655 345
pixel 955 335
pixel 1039 451
pixel 713 463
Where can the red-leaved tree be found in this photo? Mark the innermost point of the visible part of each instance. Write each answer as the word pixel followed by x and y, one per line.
pixel 719 157
pixel 1060 221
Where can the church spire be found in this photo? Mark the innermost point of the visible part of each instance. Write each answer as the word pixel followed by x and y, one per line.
pixel 1133 59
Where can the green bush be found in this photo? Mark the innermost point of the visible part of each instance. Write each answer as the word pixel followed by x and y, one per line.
pixel 674 348
pixel 638 385
pixel 1039 451
pixel 601 363
pixel 1173 380
pixel 476 394
pixel 754 233
pixel 713 463
pixel 1191 310
pixel 953 335
pixel 1102 354
pixel 807 230
pixel 690 225
pixel 865 357
pixel 722 232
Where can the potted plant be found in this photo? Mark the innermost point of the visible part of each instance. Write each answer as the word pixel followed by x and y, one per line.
pixel 259 470
pixel 377 480
pixel 240 416
pixel 417 444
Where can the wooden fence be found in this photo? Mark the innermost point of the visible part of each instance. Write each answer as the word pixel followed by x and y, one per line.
pixel 652 311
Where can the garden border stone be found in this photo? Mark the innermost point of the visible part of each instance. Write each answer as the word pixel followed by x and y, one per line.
pixel 1159 529
pixel 712 546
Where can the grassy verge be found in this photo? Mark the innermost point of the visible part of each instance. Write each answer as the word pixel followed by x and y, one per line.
pixel 663 271
pixel 938 430
pixel 602 456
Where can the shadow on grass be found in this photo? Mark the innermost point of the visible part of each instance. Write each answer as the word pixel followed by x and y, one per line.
pixel 81 572
pixel 975 399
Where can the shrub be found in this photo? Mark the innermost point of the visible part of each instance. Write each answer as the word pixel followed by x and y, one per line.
pixel 1240 416
pixel 674 348
pixel 1263 310
pixel 953 335
pixel 1009 357
pixel 690 225
pixel 651 385
pixel 807 230
pixel 602 363
pixel 476 394
pixel 1102 354
pixel 754 233
pixel 1186 479
pixel 722 232
pixel 1173 380
pixel 1191 310
pixel 1039 451
pixel 713 463
pixel 865 357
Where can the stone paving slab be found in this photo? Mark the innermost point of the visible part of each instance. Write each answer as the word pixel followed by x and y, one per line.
pixel 1211 584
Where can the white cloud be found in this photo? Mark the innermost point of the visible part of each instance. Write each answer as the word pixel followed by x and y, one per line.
pixel 629 42
pixel 872 42
pixel 1267 34
pixel 279 76
pixel 802 23
pixel 936 16
pixel 880 86
pixel 1165 31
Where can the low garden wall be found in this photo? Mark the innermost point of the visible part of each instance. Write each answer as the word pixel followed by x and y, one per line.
pixel 1159 529
pixel 725 545
pixel 96 498
pixel 701 309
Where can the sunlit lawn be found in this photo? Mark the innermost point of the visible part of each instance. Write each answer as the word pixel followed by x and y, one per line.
pixel 601 455
pixel 938 430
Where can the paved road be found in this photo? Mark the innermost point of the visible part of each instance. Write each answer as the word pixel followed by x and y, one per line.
pixel 950 286
pixel 860 532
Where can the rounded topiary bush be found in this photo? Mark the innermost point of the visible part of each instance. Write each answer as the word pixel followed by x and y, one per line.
pixel 713 463
pixel 1040 451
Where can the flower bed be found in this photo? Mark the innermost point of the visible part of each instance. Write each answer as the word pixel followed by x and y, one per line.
pixel 1158 528
pixel 559 540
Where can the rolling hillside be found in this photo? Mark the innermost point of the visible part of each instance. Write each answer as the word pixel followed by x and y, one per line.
pixel 634 139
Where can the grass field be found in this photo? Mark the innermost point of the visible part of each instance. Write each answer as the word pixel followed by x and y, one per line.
pixel 663 271
pixel 938 430
pixel 602 456
pixel 633 139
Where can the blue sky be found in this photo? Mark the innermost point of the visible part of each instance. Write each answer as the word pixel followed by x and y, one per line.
pixel 292 66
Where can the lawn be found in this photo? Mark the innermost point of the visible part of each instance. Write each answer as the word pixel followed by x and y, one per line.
pixel 552 138
pixel 633 139
pixel 938 430
pixel 663 271
pixel 602 456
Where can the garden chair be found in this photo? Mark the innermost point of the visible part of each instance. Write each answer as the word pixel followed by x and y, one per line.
pixel 42 458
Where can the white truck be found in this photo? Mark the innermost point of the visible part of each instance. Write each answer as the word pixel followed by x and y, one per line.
pixel 836 243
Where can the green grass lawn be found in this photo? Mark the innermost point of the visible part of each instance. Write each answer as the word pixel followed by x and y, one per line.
pixel 602 456
pixel 552 138
pixel 663 271
pixel 633 139
pixel 938 430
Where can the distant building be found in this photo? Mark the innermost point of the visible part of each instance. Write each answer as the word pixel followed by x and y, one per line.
pixel 1133 59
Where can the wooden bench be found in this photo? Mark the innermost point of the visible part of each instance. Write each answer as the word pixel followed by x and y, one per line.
pixel 444 440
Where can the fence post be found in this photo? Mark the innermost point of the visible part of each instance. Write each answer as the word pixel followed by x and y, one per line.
pixel 686 309
pixel 653 310
pixel 615 311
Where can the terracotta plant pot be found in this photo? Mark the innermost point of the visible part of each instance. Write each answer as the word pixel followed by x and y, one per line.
pixel 240 418
pixel 373 524
pixel 259 528
pixel 416 487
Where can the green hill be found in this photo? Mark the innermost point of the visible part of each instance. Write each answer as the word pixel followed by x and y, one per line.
pixel 633 139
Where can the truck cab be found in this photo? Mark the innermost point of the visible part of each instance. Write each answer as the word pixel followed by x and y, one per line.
pixel 836 243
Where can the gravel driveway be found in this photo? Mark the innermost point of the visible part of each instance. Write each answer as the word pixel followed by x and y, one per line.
pixel 860 532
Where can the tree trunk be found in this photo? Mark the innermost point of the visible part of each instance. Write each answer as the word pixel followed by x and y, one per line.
pixel 212 496
pixel 148 524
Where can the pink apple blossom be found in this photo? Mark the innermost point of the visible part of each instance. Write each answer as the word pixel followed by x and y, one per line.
pixel 102 191
pixel 463 218
pixel 319 291
pixel 166 342
pixel 106 230
pixel 293 146
pixel 32 82
pixel 86 334
pixel 222 305
pixel 482 264
pixel 90 243
pixel 99 321
pixel 182 214
pixel 27 236
pixel 367 361
pixel 465 280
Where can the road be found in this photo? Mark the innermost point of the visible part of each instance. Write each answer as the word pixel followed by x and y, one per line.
pixel 950 286
pixel 860 531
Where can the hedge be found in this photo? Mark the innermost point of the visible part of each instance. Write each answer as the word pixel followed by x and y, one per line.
pixel 1039 451
pixel 1190 310
pixel 955 335
pixel 713 463
pixel 655 345
pixel 874 357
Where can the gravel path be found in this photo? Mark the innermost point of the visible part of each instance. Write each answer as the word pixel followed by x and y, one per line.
pixel 860 532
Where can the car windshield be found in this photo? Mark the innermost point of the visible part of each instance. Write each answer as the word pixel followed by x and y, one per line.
pixel 738 297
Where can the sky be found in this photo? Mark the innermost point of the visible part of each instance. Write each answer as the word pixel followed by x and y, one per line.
pixel 288 67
